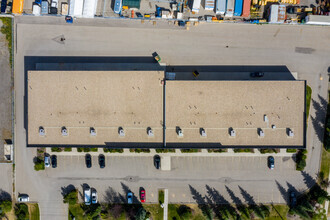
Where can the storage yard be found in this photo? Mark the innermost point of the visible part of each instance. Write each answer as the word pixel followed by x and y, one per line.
pixel 254 11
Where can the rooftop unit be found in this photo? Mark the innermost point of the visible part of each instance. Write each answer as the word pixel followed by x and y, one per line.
pixel 203 132
pixel 92 131
pixel 232 132
pixel 41 131
pixel 64 131
pixel 290 133
pixel 150 132
pixel 179 132
pixel 121 132
pixel 261 132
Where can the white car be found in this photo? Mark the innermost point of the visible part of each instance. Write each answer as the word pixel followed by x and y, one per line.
pixel 94 196
pixel 47 161
pixel 23 198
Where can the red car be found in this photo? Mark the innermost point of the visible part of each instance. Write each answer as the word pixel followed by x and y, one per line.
pixel 143 195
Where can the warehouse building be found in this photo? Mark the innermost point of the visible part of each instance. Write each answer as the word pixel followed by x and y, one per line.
pixel 136 109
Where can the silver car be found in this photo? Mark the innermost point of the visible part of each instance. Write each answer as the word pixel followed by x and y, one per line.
pixel 47 161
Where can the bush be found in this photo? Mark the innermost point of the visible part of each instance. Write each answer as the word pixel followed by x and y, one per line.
pixel 192 150
pixel 140 150
pixel 291 150
pixel 110 150
pixel 243 150
pixel 184 212
pixel 21 211
pixel 80 149
pixel 71 197
pixel 165 150
pixel 94 149
pixel 141 214
pixel 217 150
pixel 68 149
pixel 56 149
pixel 39 163
pixel 268 151
pixel 92 211
pixel 301 160
pixel 86 149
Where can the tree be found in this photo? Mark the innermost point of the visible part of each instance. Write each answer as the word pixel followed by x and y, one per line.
pixel 298 210
pixel 323 181
pixel 261 211
pixel 184 212
pixel 5 206
pixel 245 212
pixel 141 214
pixel 21 211
pixel 92 211
pixel 318 194
pixel 207 211
pixel 71 197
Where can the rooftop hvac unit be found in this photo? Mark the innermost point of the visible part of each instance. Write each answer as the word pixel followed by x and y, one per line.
pixel 290 133
pixel 41 131
pixel 150 132
pixel 64 131
pixel 232 133
pixel 273 127
pixel 261 133
pixel 121 132
pixel 203 132
pixel 179 132
pixel 92 131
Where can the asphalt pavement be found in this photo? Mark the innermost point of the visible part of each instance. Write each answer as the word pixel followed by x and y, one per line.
pixel 302 49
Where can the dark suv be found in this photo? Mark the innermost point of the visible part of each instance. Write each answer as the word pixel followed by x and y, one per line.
pixel 54 161
pixel 102 161
pixel 157 161
pixel 88 159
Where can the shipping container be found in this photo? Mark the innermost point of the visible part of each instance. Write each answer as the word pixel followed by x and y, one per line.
pixel 18 6
pixel 230 8
pixel 65 7
pixel 89 8
pixel 196 5
pixel 277 14
pixel 221 7
pixel 238 7
pixel 318 19
pixel 76 8
pixel 209 5
pixel 36 9
pixel 246 8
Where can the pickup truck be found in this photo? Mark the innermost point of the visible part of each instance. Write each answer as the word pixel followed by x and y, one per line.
pixel 87 196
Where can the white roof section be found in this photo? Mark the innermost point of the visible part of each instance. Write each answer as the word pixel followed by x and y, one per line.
pixel 76 8
pixel 89 8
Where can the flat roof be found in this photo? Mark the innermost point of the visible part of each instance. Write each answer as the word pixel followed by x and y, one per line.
pixel 217 106
pixel 104 100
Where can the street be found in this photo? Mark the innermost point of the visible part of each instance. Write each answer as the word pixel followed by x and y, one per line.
pixel 302 49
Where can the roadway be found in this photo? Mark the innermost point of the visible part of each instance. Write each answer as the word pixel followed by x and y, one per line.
pixel 302 49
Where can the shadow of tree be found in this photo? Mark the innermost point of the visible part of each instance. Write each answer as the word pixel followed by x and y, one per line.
pixel 319 119
pixel 5 195
pixel 235 199
pixel 308 179
pixel 126 190
pixel 247 197
pixel 112 196
pixel 199 199
pixel 67 189
pixel 283 191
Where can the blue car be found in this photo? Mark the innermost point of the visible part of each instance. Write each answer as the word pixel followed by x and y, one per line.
pixel 129 197
pixel 118 6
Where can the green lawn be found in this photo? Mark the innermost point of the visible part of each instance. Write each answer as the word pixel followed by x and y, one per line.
pixel 308 100
pixel 6 29
pixel 34 211
pixel 76 211
pixel 278 212
pixel 161 196
pixel 325 163
pixel 155 210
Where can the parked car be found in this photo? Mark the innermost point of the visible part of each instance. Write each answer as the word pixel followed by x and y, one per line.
pixel 195 73
pixel 88 159
pixel 293 199
pixel 3 6
pixel 54 161
pixel 157 161
pixel 47 161
pixel 257 74
pixel 68 19
pixel 23 198
pixel 129 197
pixel 271 162
pixel 87 196
pixel 139 15
pixel 94 196
pixel 102 161
pixel 142 195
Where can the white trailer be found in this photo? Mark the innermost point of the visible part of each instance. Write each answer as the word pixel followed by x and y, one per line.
pixel 89 8
pixel 230 8
pixel 76 8
pixel 196 5
pixel 221 7
pixel 209 5
pixel 36 10
pixel 87 196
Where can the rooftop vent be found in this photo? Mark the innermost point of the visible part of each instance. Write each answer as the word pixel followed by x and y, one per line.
pixel 202 132
pixel 273 127
pixel 265 118
pixel 232 132
pixel 290 133
pixel 41 131
pixel 261 132
pixel 179 131
pixel 150 132
pixel 92 131
pixel 121 132
pixel 64 131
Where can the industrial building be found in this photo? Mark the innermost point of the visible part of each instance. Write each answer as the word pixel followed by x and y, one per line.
pixel 138 109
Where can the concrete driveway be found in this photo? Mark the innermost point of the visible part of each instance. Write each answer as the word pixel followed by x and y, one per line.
pixel 302 49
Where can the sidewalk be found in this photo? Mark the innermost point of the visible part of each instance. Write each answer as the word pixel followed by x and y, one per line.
pixel 203 153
